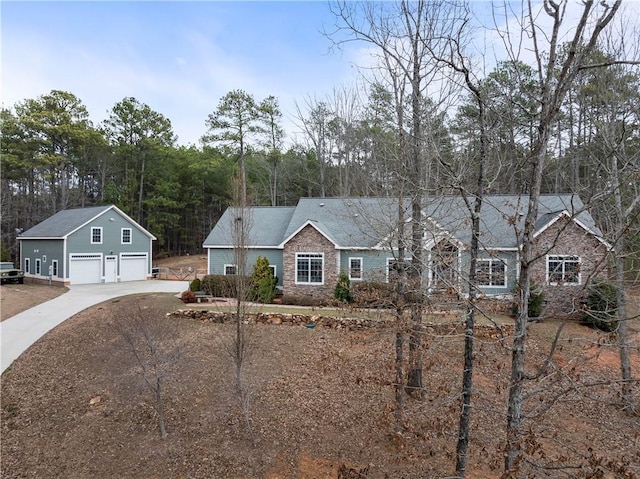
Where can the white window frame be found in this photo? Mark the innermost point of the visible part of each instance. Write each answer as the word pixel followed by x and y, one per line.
pixel 54 268
pixel 235 269
pixel 310 257
pixel 563 259
pixel 38 267
pixel 122 231
pixel 273 269
pixel 361 261
pixel 44 258
pixel 491 262
pixel 95 229
pixel 27 265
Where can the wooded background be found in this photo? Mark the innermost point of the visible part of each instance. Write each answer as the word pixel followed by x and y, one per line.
pixel 54 157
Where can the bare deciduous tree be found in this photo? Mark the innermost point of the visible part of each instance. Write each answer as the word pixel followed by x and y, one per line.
pixel 151 338
pixel 556 74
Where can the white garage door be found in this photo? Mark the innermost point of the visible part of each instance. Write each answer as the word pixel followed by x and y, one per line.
pixel 85 268
pixel 133 266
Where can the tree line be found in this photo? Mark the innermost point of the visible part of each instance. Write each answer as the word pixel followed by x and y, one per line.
pixel 54 157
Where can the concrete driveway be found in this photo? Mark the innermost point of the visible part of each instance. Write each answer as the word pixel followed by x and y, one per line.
pixel 22 330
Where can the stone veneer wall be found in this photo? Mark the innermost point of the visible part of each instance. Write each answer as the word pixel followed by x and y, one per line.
pixel 566 238
pixel 309 240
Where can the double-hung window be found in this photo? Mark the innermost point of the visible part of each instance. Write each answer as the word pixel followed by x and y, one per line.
pixel 309 268
pixel 96 235
pixel 355 268
pixel 563 269
pixel 230 269
pixel 491 272
pixel 126 236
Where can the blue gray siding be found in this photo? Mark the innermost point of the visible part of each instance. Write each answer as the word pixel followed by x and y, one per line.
pixel 218 258
pixel 374 263
pixel 45 250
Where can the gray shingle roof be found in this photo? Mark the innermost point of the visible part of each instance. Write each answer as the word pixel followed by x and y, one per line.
pixel 349 222
pixel 64 222
pixel 267 226
pixel 365 222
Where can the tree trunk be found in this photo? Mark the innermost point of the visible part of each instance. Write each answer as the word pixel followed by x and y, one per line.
pixel 514 408
pixel 623 336
pixel 414 378
pixel 399 389
pixel 621 313
pixel 160 408
pixel 141 190
pixel 467 373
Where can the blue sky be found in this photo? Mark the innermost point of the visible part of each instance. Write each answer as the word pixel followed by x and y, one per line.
pixel 180 58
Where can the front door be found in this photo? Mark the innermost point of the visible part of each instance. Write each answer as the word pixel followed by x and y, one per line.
pixel 110 269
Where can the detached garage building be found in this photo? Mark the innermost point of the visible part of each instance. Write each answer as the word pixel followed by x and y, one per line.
pixel 100 244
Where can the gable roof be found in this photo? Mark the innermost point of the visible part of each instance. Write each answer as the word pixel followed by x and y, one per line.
pixel 363 223
pixel 66 222
pixel 348 222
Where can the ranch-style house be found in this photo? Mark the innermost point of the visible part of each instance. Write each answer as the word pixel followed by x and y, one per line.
pixel 310 244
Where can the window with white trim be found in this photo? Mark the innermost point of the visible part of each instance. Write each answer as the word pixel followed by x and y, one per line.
pixel 96 235
pixel 309 268
pixel 125 236
pixel 355 268
pixel 54 268
pixel 272 267
pixel 491 272
pixel 38 267
pixel 27 265
pixel 563 269
pixel 44 258
pixel 230 269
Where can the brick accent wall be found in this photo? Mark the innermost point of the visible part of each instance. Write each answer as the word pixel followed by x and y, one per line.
pixel 309 240
pixel 564 237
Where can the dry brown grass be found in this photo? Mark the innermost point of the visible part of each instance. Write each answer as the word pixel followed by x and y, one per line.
pixel 73 406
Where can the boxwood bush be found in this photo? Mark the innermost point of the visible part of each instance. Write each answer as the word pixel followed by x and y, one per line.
pixel 195 285
pixel 223 286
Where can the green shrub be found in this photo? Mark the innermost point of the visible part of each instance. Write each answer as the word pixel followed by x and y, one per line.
pixel 195 285
pixel 223 286
pixel 602 306
pixel 263 281
pixel 341 291
pixel 188 297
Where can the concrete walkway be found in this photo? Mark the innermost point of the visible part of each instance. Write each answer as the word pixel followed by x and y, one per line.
pixel 19 332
